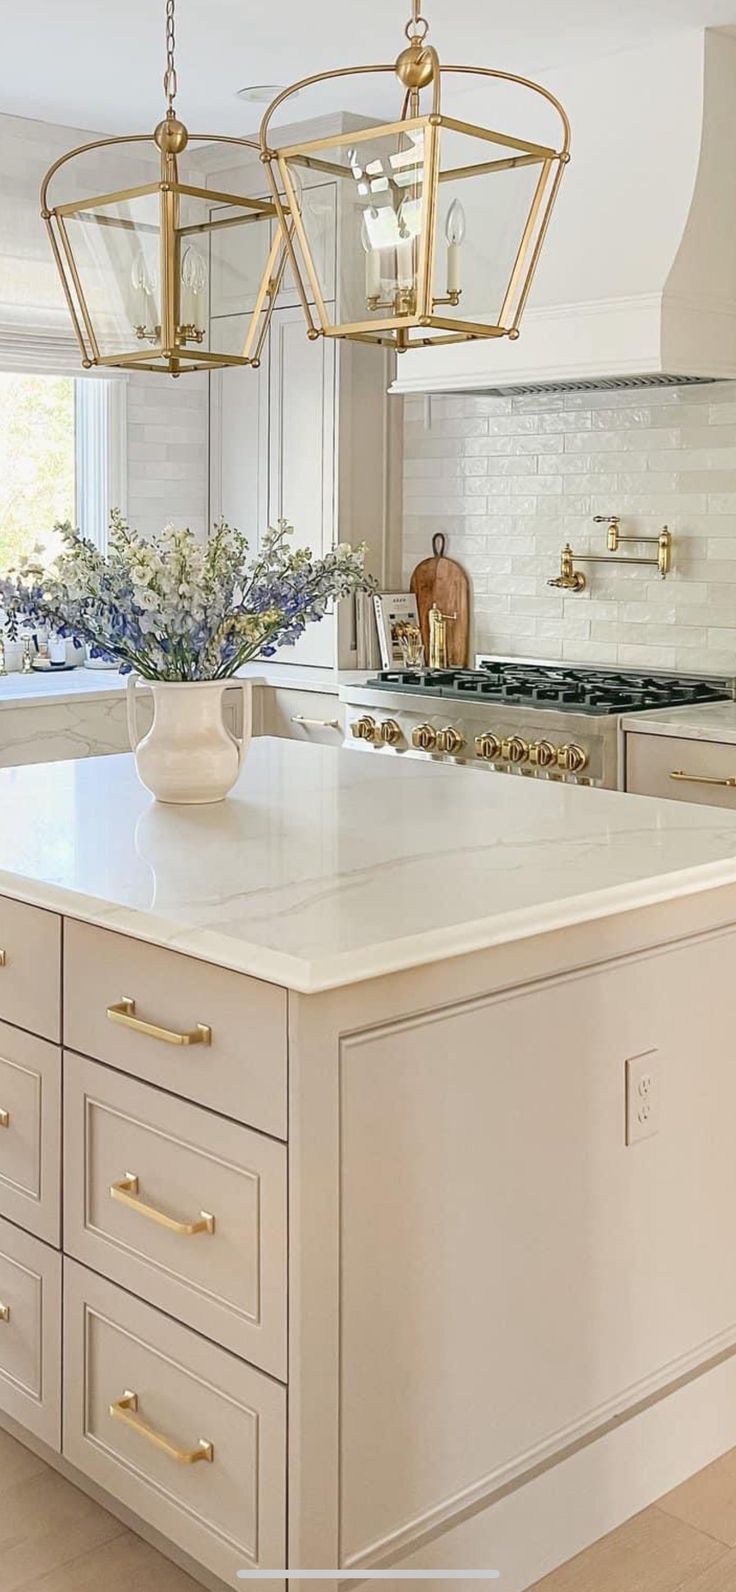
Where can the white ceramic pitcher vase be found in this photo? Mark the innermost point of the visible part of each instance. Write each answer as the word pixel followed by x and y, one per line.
pixel 189 755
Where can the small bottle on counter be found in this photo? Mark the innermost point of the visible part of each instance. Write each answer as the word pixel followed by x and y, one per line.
pixel 57 651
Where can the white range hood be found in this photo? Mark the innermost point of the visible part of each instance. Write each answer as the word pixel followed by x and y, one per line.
pixel 637 282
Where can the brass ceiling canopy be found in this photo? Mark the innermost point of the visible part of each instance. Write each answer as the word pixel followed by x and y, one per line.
pixel 411 193
pixel 137 263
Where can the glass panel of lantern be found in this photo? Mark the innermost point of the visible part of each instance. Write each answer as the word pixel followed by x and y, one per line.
pixel 490 205
pixel 382 207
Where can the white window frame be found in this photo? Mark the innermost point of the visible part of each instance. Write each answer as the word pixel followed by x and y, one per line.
pixel 101 453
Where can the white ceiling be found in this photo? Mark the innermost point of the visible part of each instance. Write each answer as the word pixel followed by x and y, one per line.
pixel 97 63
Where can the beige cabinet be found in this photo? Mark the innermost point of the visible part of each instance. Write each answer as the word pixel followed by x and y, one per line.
pixel 681 769
pixel 199 1031
pixel 30 1333
pixel 303 716
pixel 30 1132
pixel 189 1437
pixel 179 1206
pixel 30 968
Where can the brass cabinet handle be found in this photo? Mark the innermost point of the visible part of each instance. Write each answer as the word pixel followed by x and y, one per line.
pixel 124 1012
pixel 4 1118
pixel 703 779
pixel 126 1410
pixel 315 724
pixel 4 1312
pixel 126 1193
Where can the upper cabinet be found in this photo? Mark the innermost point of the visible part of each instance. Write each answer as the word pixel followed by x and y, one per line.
pixel 311 436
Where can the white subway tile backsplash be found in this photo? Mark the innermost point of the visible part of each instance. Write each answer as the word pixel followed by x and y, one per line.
pixel 520 477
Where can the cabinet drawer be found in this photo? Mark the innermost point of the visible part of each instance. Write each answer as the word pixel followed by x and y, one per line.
pixel 652 760
pixel 133 1157
pixel 304 716
pixel 241 1068
pixel 144 1397
pixel 30 968
pixel 30 1333
pixel 30 1132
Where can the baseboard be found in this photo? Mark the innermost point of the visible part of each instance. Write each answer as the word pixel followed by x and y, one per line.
pixel 534 1529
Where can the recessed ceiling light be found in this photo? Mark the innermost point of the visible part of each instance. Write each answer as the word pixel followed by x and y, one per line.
pixel 260 93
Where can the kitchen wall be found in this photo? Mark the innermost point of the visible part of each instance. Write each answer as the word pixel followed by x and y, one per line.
pixel 510 480
pixel 167 424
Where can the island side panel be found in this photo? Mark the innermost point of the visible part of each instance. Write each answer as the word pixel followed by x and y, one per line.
pixel 483 1272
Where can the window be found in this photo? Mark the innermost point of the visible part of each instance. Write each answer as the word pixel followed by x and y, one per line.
pixel 62 457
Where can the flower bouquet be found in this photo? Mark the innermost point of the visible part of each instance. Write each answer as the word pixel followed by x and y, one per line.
pixel 185 616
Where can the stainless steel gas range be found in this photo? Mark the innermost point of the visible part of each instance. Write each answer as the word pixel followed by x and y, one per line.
pixel 516 716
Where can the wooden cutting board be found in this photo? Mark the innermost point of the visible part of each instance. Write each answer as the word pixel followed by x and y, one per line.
pixel 440 580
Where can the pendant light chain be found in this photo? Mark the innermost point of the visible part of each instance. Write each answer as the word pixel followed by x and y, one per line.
pixel 417 27
pixel 170 84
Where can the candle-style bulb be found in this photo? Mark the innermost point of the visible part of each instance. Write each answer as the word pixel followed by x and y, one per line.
pixel 454 234
pixel 455 223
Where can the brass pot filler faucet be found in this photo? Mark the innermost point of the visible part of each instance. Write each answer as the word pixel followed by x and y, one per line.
pixel 572 579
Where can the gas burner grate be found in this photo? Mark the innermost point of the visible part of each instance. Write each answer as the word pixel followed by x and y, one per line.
pixel 593 691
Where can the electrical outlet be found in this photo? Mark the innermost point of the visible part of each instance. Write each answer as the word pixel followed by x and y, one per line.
pixel 642 1096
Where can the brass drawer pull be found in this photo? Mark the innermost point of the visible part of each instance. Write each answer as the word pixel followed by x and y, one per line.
pixel 4 1312
pixel 126 1410
pixel 4 1118
pixel 703 779
pixel 124 1012
pixel 315 724
pixel 3 959
pixel 126 1193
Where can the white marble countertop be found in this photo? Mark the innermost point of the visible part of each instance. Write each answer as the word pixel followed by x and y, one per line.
pixel 45 686
pixel 328 866
pixel 704 721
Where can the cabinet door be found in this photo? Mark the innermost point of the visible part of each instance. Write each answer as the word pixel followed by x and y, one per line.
pixel 302 431
pixel 239 436
pixel 681 770
pixel 303 454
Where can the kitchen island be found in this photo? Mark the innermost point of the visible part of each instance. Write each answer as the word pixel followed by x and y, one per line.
pixel 396 1155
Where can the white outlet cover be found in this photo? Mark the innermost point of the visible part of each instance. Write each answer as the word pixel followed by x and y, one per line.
pixel 643 1096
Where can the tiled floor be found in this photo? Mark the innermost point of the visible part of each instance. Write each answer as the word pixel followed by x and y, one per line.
pixel 54 1539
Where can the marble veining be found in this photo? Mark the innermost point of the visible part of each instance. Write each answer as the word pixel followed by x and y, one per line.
pixel 327 866
pixel 704 721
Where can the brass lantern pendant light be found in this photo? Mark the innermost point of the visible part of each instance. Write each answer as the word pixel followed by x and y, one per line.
pixel 137 261
pixel 443 220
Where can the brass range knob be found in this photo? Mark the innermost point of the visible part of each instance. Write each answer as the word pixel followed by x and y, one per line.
pixel 514 750
pixel 543 754
pixel 572 758
pixel 450 739
pixel 488 746
pixel 364 729
pixel 389 732
pixel 424 737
